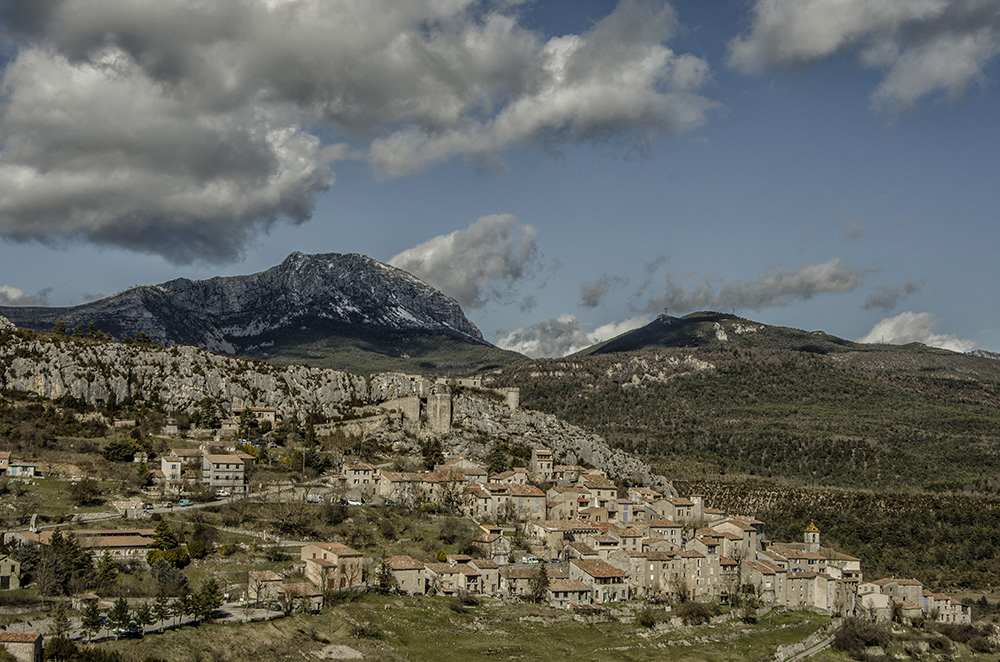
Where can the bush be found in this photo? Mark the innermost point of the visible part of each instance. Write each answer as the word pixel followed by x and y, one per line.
pixel 856 634
pixel 694 613
pixel 648 617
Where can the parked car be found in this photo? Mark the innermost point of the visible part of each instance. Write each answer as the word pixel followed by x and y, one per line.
pixel 355 502
pixel 185 502
pixel 532 559
pixel 147 506
pixel 222 494
pixel 314 498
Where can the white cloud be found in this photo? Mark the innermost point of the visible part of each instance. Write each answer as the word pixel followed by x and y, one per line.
pixel 915 327
pixel 482 262
pixel 13 296
pixel 924 46
pixel 775 287
pixel 185 128
pixel 563 335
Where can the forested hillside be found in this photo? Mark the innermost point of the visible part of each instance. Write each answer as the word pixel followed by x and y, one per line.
pixel 858 419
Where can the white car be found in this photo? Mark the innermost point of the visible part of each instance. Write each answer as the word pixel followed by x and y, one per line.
pixel 222 494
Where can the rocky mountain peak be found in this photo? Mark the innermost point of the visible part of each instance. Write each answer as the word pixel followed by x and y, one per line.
pixel 231 314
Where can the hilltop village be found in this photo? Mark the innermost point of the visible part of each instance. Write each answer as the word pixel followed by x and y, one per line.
pixel 571 535
pixel 589 541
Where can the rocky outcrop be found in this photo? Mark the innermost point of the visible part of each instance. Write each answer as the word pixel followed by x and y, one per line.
pixel 179 377
pixel 6 324
pixel 241 314
pixel 479 422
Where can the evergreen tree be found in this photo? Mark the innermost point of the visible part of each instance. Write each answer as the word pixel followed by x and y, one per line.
pixel 161 608
pixel 208 599
pixel 59 328
pixel 91 623
pixel 163 536
pixel 107 572
pixel 385 581
pixel 539 585
pixel 144 614
pixel 59 619
pixel 120 616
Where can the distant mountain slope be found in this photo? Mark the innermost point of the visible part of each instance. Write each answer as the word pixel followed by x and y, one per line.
pixel 708 329
pixel 344 311
pixel 739 396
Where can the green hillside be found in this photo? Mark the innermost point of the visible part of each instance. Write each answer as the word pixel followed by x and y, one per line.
pixel 873 417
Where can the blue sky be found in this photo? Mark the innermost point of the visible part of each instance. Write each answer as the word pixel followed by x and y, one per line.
pixel 566 169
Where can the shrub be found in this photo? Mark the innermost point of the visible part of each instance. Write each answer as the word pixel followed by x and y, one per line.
pixel 694 613
pixel 856 634
pixel 648 617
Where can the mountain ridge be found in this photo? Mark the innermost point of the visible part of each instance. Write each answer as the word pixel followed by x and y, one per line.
pixel 344 300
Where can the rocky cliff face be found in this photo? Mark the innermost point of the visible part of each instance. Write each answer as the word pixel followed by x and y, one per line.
pixel 179 377
pixel 234 314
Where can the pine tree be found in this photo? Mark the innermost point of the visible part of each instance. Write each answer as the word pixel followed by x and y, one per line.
pixel 163 536
pixel 161 608
pixel 91 623
pixel 209 599
pixel 539 585
pixel 107 572
pixel 120 616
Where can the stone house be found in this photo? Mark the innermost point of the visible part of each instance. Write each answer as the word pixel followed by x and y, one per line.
pixel 223 472
pixel 4 461
pixel 453 578
pixel 10 573
pixel 263 586
pixel 517 475
pixel 361 476
pixel 567 473
pixel 527 501
pixel 332 565
pixel 473 473
pixel 541 464
pixel 24 646
pixel 301 597
pixel 605 580
pixel 564 593
pixel 409 574
pixel 516 582
pixel 21 470
pixel 489 574
pixel 566 502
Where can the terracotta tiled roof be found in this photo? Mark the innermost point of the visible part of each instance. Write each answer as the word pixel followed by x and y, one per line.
pixel 598 568
pixel 20 637
pixel 404 563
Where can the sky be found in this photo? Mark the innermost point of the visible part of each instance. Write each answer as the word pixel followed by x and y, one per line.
pixel 567 169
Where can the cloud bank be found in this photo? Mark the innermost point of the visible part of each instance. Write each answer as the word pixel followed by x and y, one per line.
pixel 183 129
pixel 915 327
pixel 924 46
pixel 775 287
pixel 477 264
pixel 563 335
pixel 12 296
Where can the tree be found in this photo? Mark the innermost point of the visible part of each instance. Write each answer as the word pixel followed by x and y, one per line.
pixel 91 622
pixel 161 608
pixel 538 587
pixel 208 599
pixel 170 578
pixel 163 536
pixel 120 616
pixel 59 619
pixel 385 580
pixel 59 328
pixel 248 424
pixel 107 572
pixel 85 493
pixel 144 614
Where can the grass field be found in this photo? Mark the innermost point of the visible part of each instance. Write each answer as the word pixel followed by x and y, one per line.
pixel 417 629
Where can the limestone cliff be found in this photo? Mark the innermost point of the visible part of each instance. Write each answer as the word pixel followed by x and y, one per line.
pixel 179 377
